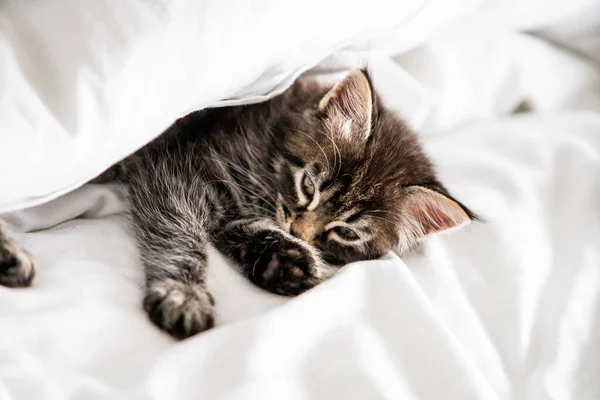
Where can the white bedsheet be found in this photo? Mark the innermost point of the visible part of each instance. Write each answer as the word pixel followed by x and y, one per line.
pixel 85 83
pixel 506 309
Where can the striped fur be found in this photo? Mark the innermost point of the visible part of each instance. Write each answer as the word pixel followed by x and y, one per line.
pixel 290 189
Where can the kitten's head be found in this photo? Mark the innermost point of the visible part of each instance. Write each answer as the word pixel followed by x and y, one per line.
pixel 353 179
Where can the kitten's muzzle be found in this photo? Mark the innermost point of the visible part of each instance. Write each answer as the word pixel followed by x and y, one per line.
pixel 305 227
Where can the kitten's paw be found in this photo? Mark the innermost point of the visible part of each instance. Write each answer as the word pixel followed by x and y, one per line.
pixel 181 310
pixel 288 269
pixel 17 266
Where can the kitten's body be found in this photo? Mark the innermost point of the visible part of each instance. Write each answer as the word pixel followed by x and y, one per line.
pixel 290 189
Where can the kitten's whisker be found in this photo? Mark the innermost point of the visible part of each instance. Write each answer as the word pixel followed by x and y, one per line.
pixel 259 164
pixel 383 219
pixel 395 224
pixel 254 195
pixel 385 211
pixel 317 143
pixel 249 192
pixel 383 233
pixel 253 176
pixel 250 205
pixel 336 154
pixel 249 174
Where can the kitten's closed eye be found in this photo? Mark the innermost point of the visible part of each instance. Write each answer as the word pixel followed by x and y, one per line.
pixel 345 233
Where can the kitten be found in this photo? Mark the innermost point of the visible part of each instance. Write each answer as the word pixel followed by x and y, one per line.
pixel 290 189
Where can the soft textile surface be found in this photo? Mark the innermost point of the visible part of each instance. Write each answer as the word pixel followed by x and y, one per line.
pixel 507 309
pixel 85 83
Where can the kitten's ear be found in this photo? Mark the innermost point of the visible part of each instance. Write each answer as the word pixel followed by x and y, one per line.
pixel 350 105
pixel 427 211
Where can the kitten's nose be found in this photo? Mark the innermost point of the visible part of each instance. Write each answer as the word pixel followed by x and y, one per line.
pixel 294 231
pixel 304 228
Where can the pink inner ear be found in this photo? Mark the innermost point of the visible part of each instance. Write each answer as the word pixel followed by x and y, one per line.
pixel 432 219
pixel 432 212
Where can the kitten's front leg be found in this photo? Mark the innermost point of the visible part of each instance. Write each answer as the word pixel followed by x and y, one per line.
pixel 271 258
pixel 17 267
pixel 171 236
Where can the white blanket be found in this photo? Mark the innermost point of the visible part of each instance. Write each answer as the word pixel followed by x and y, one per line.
pixel 506 309
pixel 85 83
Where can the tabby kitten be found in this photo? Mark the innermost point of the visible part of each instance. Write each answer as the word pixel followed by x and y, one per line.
pixel 290 189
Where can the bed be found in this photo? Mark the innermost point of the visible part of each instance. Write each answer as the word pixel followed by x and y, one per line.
pixel 506 96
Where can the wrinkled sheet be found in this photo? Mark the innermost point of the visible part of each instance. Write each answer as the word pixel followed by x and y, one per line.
pixel 85 83
pixel 508 308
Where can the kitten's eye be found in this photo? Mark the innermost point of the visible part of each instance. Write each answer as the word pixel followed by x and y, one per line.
pixel 345 233
pixel 308 187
